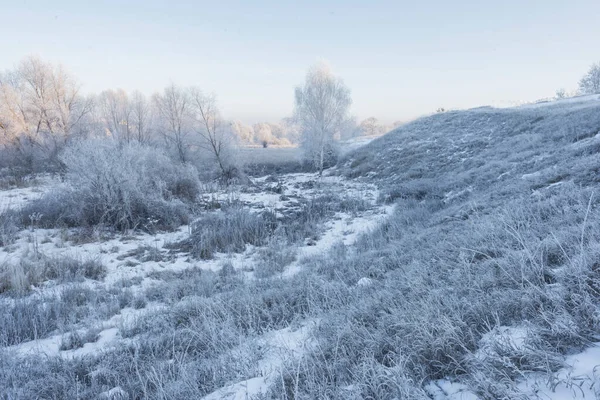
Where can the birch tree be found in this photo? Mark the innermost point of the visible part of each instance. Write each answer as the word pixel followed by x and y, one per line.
pixel 321 107
pixel 590 83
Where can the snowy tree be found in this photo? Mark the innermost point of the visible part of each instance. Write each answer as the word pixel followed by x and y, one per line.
pixel 263 133
pixel 40 108
pixel 321 107
pixel 141 118
pixel 372 127
pixel 244 132
pixel 590 83
pixel 174 106
pixel 216 136
pixel 117 113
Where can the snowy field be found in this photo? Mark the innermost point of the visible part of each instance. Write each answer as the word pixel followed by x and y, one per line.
pixel 456 257
pixel 135 261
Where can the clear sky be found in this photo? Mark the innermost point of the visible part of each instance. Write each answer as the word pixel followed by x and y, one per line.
pixel 400 58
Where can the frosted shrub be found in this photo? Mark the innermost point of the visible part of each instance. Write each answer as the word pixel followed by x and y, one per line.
pixel 124 186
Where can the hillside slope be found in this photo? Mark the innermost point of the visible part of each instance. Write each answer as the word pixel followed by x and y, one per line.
pixel 485 150
pixel 488 273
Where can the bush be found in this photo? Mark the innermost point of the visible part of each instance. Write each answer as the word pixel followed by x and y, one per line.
pixel 123 186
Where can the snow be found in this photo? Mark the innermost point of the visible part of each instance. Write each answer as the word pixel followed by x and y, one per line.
pixel 570 101
pixel 105 337
pixel 116 393
pixel 578 381
pixel 285 345
pixel 17 197
pixel 121 255
pixel 364 281
pixel 444 389
pixel 507 336
pixel 243 390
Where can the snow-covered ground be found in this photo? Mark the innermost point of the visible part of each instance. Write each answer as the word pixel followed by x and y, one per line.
pixel 577 381
pixel 122 256
pixel 285 345
pixel 17 197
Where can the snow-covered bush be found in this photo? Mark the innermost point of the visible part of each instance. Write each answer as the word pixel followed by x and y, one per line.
pixel 120 185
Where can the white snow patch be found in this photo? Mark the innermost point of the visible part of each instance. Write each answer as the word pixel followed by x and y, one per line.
pixel 282 345
pixel 364 281
pixel 17 197
pixel 105 337
pixel 581 380
pixel 444 389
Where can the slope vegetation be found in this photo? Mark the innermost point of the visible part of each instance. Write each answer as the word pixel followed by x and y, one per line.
pixel 487 274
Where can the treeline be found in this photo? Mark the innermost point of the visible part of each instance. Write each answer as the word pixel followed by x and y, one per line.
pixel 42 108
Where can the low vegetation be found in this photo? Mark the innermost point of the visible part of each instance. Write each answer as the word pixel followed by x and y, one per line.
pixel 120 186
pixel 485 274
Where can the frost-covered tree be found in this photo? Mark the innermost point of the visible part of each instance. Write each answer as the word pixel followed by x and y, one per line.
pixel 40 108
pixel 590 83
pixel 116 110
pixel 244 132
pixel 216 135
pixel 372 127
pixel 263 133
pixel 141 118
pixel 321 107
pixel 175 107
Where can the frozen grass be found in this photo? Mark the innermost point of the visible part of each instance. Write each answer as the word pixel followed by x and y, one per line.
pixel 8 227
pixel 274 258
pixel 38 316
pixel 229 231
pixel 20 277
pixel 233 228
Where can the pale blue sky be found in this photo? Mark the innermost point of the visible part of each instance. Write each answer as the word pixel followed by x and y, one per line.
pixel 400 58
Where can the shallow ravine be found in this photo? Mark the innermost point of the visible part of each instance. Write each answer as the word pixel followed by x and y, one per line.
pixel 123 255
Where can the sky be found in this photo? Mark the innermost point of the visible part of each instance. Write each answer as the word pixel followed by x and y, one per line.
pixel 401 59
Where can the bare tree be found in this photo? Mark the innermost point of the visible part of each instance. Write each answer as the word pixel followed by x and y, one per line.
pixel 117 112
pixel 69 106
pixel 321 108
pixel 141 116
pixel 590 83
pixel 174 106
pixel 216 136
pixel 36 76
pixel 40 107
